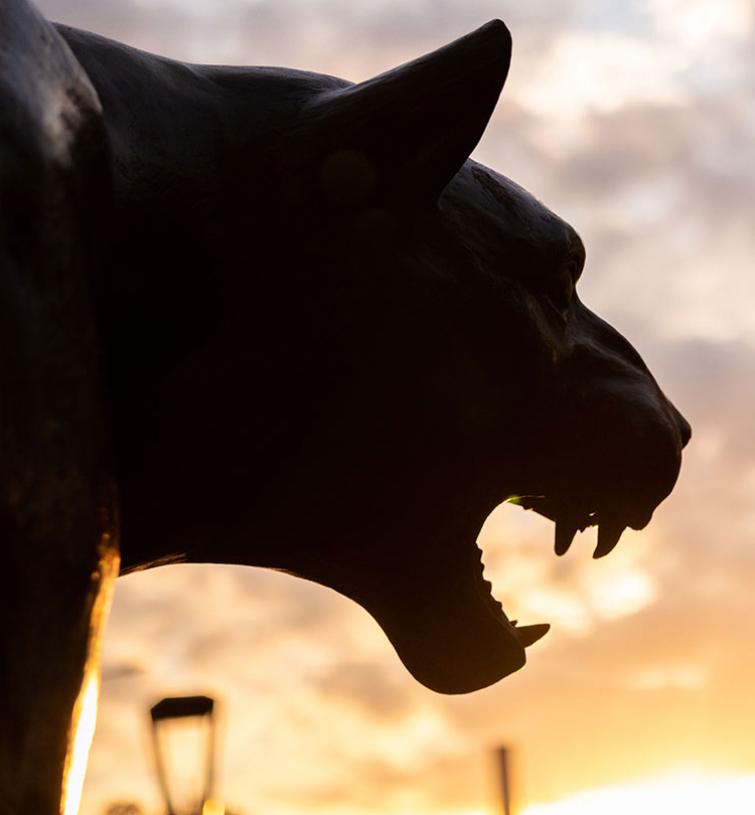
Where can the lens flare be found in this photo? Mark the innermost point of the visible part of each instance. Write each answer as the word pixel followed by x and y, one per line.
pixel 86 713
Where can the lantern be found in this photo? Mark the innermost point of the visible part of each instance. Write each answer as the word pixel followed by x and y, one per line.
pixel 183 737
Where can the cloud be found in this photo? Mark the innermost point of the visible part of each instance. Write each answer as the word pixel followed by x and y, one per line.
pixel 367 685
pixel 697 25
pixel 661 196
pixel 330 36
pixel 114 671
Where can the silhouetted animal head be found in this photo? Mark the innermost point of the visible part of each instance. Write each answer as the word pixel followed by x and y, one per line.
pixel 365 343
pixel 499 380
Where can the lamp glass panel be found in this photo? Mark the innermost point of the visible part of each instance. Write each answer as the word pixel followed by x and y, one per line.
pixel 184 745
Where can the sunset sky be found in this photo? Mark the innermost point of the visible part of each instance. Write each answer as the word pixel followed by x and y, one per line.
pixel 635 121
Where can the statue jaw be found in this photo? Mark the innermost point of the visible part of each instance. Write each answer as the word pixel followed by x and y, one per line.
pixel 445 627
pixel 423 583
pixel 449 635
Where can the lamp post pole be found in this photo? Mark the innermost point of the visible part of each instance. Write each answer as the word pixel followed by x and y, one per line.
pixel 503 760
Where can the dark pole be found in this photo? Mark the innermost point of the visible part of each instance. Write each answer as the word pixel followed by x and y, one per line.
pixel 503 755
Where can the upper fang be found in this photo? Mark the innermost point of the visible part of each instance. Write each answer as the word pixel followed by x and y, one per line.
pixel 609 532
pixel 565 532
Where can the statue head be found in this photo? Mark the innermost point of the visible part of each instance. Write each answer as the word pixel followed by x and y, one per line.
pixel 391 345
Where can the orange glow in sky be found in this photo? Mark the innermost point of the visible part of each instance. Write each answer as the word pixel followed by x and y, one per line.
pixel 688 793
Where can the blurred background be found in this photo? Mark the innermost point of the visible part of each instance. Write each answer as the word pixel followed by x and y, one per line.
pixel 635 121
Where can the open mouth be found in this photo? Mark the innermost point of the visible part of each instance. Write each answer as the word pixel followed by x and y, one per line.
pixel 570 519
pixel 527 634
pixel 569 516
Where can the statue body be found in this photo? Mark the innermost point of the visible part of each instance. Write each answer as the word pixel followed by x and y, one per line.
pixel 57 529
pixel 329 343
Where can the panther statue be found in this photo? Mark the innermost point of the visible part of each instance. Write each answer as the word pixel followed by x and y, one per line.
pixel 269 317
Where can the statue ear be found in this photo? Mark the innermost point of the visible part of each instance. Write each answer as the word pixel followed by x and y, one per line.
pixel 403 135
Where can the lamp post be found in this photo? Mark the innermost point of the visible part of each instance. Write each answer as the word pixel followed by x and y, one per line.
pixel 183 737
pixel 503 759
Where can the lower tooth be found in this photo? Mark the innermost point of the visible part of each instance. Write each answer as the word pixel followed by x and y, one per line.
pixel 528 634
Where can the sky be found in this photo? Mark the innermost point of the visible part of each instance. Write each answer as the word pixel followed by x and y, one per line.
pixel 635 121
